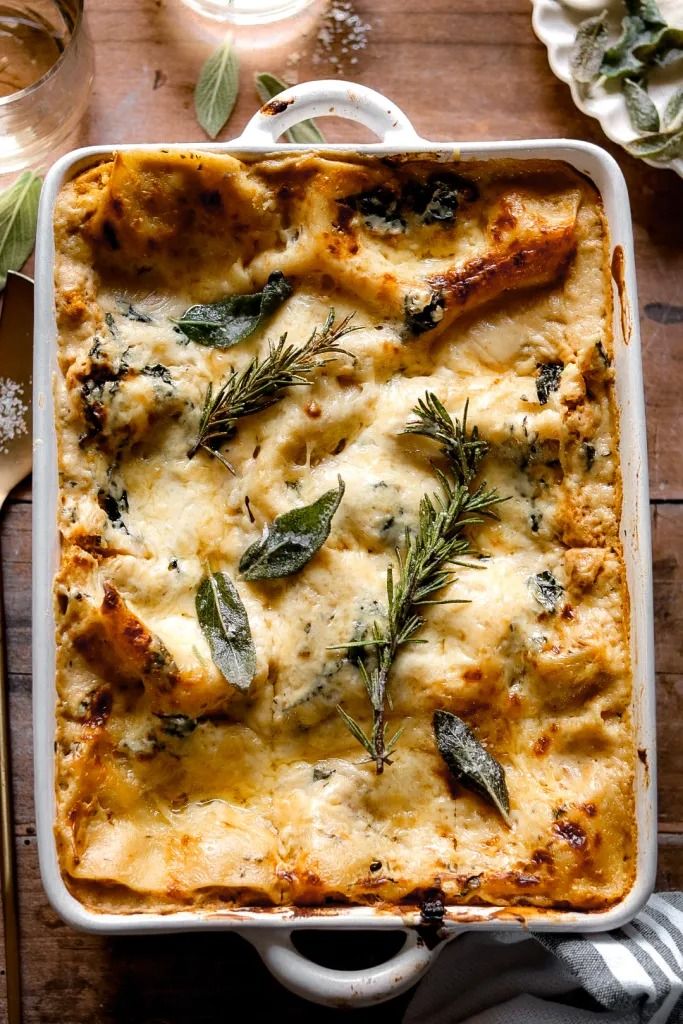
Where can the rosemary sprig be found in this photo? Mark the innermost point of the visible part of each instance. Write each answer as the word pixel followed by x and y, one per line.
pixel 264 382
pixel 425 565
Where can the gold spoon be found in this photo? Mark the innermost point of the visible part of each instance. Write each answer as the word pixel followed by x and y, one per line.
pixel 16 350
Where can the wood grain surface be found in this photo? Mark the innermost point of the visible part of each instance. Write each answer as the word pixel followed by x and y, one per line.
pixel 460 71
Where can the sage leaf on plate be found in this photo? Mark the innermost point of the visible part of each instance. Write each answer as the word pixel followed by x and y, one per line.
pixel 662 146
pixel 647 10
pixel 673 112
pixel 546 589
pixel 619 59
pixel 217 88
pixel 641 110
pixel 18 216
pixel 223 324
pixel 589 48
pixel 224 623
pixel 470 762
pixel 291 540
pixel 268 86
pixel 663 46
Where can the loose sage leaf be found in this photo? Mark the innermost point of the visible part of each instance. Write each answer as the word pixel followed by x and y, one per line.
pixel 589 48
pixel 662 146
pixel 470 762
pixel 665 40
pixel 641 110
pixel 673 111
pixel 18 216
pixel 223 324
pixel 547 591
pixel 224 623
pixel 216 91
pixel 268 86
pixel 548 380
pixel 291 540
pixel 647 10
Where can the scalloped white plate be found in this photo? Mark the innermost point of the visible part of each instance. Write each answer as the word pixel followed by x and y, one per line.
pixel 555 23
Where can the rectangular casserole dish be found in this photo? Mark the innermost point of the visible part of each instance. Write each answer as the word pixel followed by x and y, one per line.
pixel 270 929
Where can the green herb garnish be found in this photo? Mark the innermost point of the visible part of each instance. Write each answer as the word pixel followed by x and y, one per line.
pixel 224 623
pixel 438 542
pixel 223 324
pixel 470 762
pixel 265 382
pixel 291 540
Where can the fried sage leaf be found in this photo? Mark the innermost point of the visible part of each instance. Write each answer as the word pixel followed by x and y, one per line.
pixel 641 110
pixel 291 540
pixel 224 623
pixel 470 762
pixel 548 380
pixel 589 48
pixel 223 324
pixel 547 591
pixel 268 86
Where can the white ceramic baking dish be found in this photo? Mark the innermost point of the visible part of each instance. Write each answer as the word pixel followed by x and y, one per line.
pixel 271 931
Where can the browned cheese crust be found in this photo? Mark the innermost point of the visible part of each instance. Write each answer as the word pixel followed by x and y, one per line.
pixel 263 799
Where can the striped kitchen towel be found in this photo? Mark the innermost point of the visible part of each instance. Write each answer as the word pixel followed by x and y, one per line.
pixel 633 975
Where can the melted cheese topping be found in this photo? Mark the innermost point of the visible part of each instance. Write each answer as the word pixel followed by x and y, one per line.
pixel 267 800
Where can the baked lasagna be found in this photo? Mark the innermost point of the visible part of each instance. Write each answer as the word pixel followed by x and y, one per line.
pixel 263 372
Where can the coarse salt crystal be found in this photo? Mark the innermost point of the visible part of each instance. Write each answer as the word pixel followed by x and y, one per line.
pixel 12 412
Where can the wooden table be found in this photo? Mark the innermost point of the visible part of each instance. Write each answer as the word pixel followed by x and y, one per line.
pixel 460 71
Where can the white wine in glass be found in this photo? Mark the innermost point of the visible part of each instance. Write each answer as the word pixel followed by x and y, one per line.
pixel 46 69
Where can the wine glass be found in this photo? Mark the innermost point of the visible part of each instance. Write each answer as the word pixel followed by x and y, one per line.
pixel 46 70
pixel 248 12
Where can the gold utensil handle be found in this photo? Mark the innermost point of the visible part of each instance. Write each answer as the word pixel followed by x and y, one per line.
pixel 7 859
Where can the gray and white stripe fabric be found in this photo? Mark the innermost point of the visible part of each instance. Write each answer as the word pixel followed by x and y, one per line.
pixel 633 975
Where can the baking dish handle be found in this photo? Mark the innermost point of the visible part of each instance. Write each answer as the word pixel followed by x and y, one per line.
pixel 365 987
pixel 320 99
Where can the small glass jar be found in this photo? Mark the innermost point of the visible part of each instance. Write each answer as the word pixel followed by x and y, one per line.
pixel 35 120
pixel 248 12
